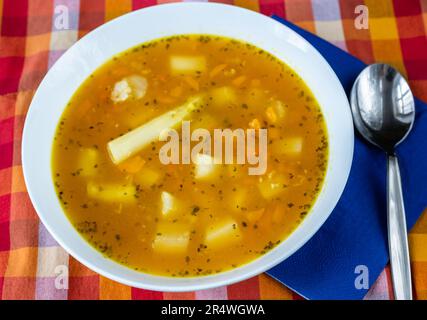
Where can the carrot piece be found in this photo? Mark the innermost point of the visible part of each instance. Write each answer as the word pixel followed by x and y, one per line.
pixel 255 124
pixel 273 133
pixel 215 71
pixel 132 165
pixel 161 77
pixel 271 114
pixel 278 214
pixel 120 71
pixel 254 216
pixel 194 84
pixel 165 99
pixel 247 181
pixel 230 72
pixel 84 107
pixel 238 81
pixel 176 92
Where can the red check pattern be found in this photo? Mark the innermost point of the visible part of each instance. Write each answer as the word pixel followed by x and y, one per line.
pixel 30 42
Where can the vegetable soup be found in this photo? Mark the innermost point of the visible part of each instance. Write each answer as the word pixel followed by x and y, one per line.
pixel 197 217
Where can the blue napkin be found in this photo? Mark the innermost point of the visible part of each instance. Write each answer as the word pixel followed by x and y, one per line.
pixel 355 234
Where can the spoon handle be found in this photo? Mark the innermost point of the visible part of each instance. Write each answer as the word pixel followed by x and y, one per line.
pixel 397 234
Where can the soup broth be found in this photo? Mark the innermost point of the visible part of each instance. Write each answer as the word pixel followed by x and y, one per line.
pixel 187 219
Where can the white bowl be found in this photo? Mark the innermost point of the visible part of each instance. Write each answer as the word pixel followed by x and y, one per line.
pixel 93 50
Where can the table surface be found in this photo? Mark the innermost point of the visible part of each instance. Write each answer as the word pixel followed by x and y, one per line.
pixel 31 40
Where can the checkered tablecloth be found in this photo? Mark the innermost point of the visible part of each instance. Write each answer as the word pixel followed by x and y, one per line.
pixel 32 37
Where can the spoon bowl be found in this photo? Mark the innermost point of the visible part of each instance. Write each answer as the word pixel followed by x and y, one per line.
pixel 383 106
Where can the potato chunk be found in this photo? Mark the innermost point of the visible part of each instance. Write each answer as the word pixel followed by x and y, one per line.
pixel 88 161
pixel 256 97
pixel 187 64
pixel 223 96
pixel 171 238
pixel 205 167
pixel 205 121
pixel 238 199
pixel 111 192
pixel 291 146
pixel 222 234
pixel 279 108
pixel 147 177
pixel 273 185
pixel 168 203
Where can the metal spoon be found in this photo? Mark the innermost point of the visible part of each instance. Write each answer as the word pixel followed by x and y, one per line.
pixel 383 112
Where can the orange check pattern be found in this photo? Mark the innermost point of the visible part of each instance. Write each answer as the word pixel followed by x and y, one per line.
pixel 31 40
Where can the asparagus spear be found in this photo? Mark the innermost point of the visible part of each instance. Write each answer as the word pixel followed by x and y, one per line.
pixel 134 141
